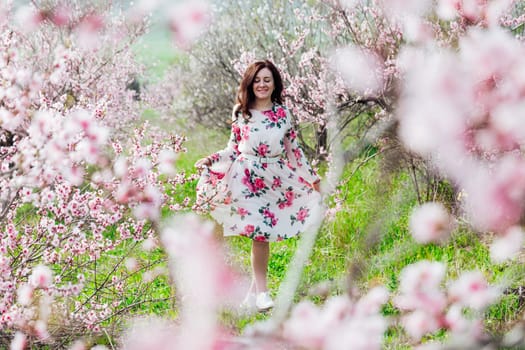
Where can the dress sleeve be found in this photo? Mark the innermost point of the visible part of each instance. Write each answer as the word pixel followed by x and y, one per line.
pixel 296 158
pixel 222 160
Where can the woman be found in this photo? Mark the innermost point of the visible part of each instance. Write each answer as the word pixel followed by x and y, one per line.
pixel 261 185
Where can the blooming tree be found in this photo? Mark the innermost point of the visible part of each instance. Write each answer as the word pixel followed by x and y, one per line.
pixel 82 177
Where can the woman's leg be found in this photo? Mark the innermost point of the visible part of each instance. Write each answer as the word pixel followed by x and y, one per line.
pixel 260 256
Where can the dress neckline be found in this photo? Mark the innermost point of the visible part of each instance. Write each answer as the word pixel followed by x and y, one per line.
pixel 264 110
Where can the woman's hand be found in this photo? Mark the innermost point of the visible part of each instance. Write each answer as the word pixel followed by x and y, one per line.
pixel 203 162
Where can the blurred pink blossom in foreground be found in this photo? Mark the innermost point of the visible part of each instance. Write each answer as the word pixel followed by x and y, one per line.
pixel 428 306
pixel 339 323
pixel 188 20
pixel 507 245
pixel 204 284
pixel 431 222
pixel 462 110
pixel 361 69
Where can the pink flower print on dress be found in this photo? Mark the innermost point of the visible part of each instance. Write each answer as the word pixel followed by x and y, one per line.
pixel 281 113
pixel 275 118
pixel 272 116
pixel 248 230
pixel 260 238
pixel 302 214
pixel 255 184
pixel 246 182
pixel 245 133
pixel 262 149
pixel 298 155
pixel 288 199
pixel 237 132
pixel 269 216
pixel 276 182
pixel 215 157
pixel 289 195
pixel 259 183
pixel 242 212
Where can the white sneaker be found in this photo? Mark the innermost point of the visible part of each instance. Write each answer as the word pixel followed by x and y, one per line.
pixel 264 302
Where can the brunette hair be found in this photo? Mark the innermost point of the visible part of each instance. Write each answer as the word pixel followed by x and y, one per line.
pixel 245 94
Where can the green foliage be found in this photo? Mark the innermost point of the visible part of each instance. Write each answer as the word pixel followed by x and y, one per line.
pixel 366 244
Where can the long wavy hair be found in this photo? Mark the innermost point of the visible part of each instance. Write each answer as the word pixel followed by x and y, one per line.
pixel 245 94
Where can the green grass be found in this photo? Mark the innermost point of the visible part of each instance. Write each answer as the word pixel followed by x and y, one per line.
pixel 342 243
pixel 374 206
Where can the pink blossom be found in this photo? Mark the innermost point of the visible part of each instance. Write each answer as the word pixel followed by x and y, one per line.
pixel 61 15
pixel 28 18
pixel 371 302
pixel 338 325
pixel 455 319
pixel 358 333
pixel 142 167
pixel 494 198
pixel 203 278
pixel 131 264
pixel 431 222
pixel 188 20
pixel 420 287
pixel 422 275
pixel 360 69
pixel 150 333
pixel 167 160
pixel 78 345
pixel 19 341
pixel 507 245
pixel 25 294
pixel 88 30
pixel 41 277
pixel 472 290
pixel 306 316
pixel 419 323
pixel 120 166
pixel 149 244
pixel 149 206
pixel 448 9
pixel 41 331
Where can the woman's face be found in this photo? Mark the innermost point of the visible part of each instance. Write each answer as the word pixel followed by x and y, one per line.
pixel 263 85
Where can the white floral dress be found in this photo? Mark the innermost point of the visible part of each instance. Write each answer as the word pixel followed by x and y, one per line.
pixel 260 185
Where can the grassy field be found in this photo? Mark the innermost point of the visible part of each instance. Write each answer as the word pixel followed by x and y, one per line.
pixel 341 246
pixel 370 207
